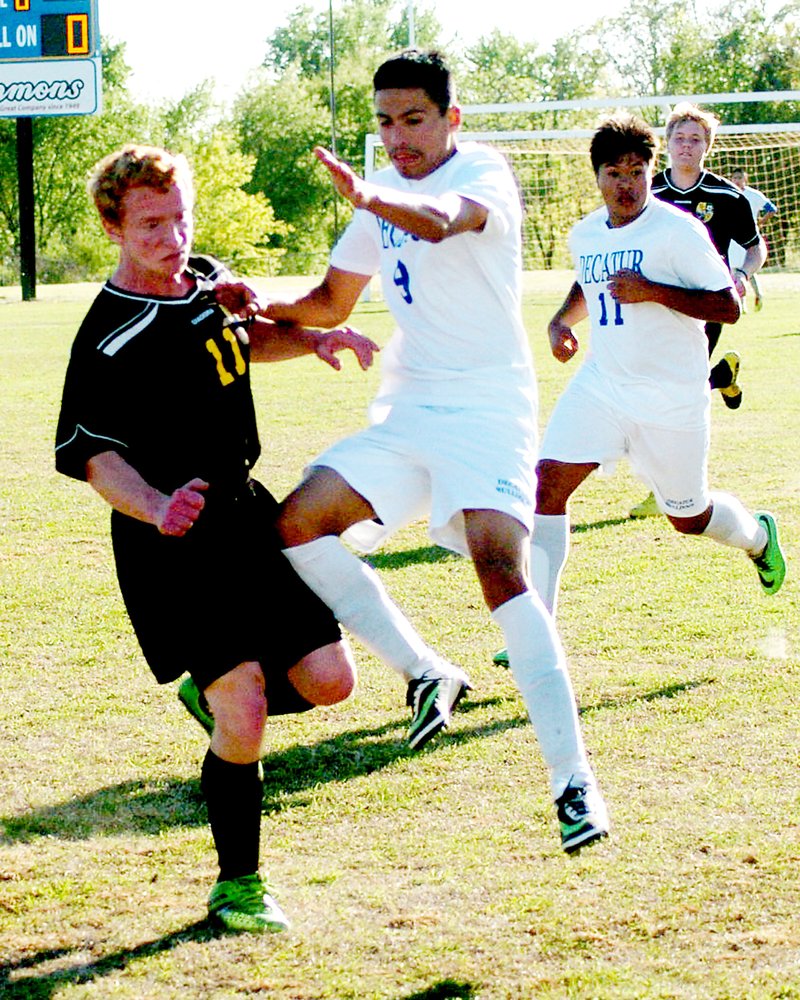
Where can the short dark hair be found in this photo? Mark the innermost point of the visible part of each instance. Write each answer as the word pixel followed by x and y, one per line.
pixel 415 68
pixel 621 134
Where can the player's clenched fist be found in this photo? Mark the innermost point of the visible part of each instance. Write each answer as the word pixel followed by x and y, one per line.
pixel 183 508
pixel 628 286
pixel 563 342
pixel 237 298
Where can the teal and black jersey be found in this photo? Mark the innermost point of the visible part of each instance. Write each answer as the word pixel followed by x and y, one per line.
pixel 717 203
pixel 163 382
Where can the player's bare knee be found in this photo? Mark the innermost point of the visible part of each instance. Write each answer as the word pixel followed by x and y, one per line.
pixel 326 676
pixel 337 681
pixel 694 525
pixel 238 701
pixel 334 690
pixel 544 487
pixel 500 581
pixel 292 523
pixel 555 484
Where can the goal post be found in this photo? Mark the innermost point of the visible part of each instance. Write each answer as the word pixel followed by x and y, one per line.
pixel 558 188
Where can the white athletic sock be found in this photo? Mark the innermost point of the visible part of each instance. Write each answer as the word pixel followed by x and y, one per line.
pixel 538 664
pixel 732 524
pixel 355 594
pixel 549 550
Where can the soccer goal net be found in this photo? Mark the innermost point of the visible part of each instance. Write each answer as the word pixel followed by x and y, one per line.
pixel 557 184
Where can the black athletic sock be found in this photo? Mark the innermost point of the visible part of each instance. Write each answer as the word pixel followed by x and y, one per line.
pixel 713 332
pixel 234 795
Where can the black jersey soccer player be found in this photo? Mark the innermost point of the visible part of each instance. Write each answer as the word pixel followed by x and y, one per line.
pixel 718 204
pixel 157 415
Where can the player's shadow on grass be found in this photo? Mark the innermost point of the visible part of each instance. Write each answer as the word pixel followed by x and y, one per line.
pixel 411 557
pixel 609 522
pixel 147 808
pixel 447 989
pixel 47 984
pixel 668 691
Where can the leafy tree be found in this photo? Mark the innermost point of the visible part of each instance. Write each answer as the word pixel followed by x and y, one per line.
pixel 365 30
pixel 667 49
pixel 288 111
pixel 278 123
pixel 237 227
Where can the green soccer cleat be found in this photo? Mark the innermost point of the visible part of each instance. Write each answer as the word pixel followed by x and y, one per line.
pixel 244 904
pixel 647 508
pixel 432 699
pixel 193 700
pixel 771 564
pixel 582 816
pixel 501 658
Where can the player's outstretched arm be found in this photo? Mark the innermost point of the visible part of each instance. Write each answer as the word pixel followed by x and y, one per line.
pixel 125 489
pixel 283 341
pixel 324 306
pixel 723 306
pixel 429 218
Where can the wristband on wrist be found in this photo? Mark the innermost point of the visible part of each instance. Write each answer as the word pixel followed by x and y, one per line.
pixel 742 272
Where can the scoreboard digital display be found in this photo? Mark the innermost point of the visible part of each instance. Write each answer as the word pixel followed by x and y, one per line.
pixel 50 62
pixel 48 29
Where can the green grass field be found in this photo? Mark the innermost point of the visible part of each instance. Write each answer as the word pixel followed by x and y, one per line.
pixel 435 875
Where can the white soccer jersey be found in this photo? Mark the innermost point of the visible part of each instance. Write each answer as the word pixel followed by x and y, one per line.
pixel 460 337
pixel 761 205
pixel 649 361
pixel 758 202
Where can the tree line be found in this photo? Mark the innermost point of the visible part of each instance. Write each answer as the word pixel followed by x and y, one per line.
pixel 263 204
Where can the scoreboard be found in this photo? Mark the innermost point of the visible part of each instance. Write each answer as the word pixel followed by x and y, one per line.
pixel 38 29
pixel 49 57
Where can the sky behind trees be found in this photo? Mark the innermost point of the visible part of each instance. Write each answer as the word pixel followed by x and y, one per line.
pixel 173 46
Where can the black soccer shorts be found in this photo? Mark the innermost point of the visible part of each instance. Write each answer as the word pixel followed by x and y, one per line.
pixel 221 595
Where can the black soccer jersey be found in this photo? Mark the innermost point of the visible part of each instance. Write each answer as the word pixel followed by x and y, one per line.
pixel 717 203
pixel 163 383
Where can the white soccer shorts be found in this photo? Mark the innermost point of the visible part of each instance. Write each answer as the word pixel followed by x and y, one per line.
pixel 673 463
pixel 437 461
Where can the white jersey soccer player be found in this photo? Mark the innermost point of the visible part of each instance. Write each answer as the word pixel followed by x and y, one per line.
pixel 453 427
pixel 647 277
pixel 646 360
pixel 457 304
pixel 761 207
pixel 460 343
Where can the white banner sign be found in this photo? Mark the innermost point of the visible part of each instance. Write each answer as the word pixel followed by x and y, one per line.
pixel 50 87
